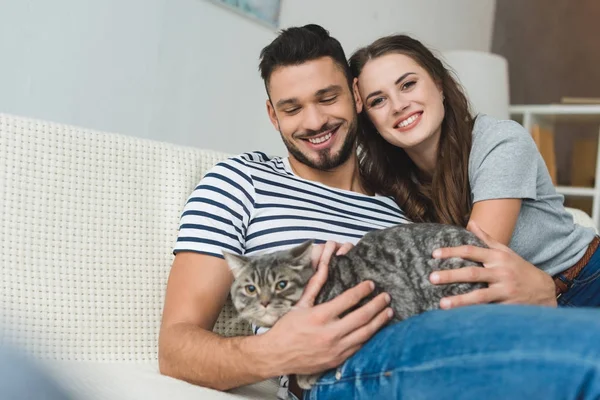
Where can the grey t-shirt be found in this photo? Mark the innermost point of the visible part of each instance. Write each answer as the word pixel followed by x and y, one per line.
pixel 505 163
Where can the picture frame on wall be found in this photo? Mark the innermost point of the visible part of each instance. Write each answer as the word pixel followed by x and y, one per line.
pixel 265 12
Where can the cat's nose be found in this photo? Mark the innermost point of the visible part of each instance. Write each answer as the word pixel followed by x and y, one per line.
pixel 265 303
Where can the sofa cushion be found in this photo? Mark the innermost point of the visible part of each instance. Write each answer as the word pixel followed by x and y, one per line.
pixel 88 221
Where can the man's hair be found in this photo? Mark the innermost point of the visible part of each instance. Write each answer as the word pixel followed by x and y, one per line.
pixel 297 45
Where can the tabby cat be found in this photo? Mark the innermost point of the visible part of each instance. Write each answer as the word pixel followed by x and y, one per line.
pixel 397 259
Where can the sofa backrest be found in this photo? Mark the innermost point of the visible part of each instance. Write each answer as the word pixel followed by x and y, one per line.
pixel 88 223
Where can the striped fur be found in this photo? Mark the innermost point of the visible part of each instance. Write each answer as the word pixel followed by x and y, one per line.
pixel 397 259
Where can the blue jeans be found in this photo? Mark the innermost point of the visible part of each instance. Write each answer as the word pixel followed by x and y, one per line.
pixel 478 352
pixel 585 289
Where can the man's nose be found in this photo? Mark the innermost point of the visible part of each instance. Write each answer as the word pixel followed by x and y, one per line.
pixel 314 119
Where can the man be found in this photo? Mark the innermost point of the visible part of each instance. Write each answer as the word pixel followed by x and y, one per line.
pixel 252 203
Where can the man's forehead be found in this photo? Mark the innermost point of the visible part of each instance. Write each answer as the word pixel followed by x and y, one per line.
pixel 306 79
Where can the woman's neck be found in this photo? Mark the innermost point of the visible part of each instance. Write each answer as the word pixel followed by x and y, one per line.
pixel 425 155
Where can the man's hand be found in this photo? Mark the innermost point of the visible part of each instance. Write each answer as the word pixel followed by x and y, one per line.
pixel 510 278
pixel 311 339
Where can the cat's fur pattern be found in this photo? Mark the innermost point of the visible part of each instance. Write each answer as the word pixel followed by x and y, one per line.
pixel 397 259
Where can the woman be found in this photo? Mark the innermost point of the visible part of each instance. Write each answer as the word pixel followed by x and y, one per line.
pixel 421 145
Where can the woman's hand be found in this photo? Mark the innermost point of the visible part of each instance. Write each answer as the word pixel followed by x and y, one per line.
pixel 510 279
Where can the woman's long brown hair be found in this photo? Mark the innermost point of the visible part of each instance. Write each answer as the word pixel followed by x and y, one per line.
pixel 386 169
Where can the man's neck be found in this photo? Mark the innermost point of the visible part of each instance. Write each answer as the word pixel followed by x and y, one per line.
pixel 345 177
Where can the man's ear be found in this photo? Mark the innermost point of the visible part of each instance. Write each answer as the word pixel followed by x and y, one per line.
pixel 272 114
pixel 235 262
pixel 357 100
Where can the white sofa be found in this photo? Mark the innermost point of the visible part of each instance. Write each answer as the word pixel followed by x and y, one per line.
pixel 88 222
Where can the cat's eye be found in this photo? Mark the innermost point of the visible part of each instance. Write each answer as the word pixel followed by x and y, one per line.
pixel 281 285
pixel 250 289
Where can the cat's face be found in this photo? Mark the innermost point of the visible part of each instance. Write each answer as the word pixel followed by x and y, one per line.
pixel 267 286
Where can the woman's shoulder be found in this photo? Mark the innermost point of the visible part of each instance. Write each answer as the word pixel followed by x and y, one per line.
pixel 503 161
pixel 490 133
pixel 502 141
pixel 486 126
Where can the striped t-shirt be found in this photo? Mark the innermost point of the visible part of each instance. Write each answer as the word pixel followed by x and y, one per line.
pixel 252 203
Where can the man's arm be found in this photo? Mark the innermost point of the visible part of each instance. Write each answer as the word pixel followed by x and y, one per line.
pixel 188 349
pixel 306 340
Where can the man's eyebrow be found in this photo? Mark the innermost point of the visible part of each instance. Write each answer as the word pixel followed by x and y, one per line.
pixel 285 102
pixel 328 89
pixel 378 92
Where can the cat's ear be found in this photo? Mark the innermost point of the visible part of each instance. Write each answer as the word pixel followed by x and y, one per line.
pixel 302 253
pixel 235 262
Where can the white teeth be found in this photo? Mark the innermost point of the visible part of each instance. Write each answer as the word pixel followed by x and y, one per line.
pixel 321 139
pixel 408 121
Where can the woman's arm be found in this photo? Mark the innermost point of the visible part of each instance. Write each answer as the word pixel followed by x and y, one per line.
pixel 503 172
pixel 497 218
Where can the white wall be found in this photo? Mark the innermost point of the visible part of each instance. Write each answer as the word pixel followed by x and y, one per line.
pixel 185 71
pixel 442 24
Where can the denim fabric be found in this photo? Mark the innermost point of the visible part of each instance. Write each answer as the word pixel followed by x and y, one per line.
pixel 479 352
pixel 585 291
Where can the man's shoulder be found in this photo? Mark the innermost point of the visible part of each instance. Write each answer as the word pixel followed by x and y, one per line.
pixel 244 166
pixel 254 157
pixel 253 161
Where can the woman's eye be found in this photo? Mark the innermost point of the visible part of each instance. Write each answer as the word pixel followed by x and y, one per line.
pixel 408 85
pixel 250 289
pixel 282 285
pixel 376 102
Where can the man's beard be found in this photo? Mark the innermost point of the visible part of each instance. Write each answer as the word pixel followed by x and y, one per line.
pixel 326 160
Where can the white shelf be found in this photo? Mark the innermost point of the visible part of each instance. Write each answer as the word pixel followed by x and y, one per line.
pixel 546 115
pixel 576 191
pixel 557 109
